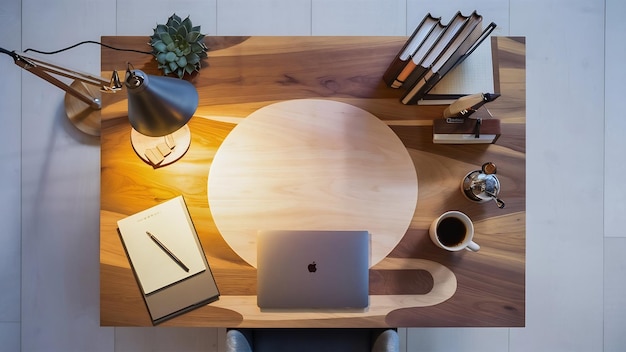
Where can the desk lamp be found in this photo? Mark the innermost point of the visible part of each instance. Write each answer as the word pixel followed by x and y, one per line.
pixel 159 109
pixel 82 98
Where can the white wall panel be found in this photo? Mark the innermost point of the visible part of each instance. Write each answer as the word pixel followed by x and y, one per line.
pixel 60 188
pixel 492 11
pixel 615 123
pixel 564 199
pixel 614 297
pixel 10 159
pixel 268 17
pixel 140 17
pixel 359 17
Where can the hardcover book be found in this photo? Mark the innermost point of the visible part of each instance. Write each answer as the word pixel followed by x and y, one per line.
pixel 413 50
pixel 478 73
pixel 461 46
pixel 438 48
pixel 442 48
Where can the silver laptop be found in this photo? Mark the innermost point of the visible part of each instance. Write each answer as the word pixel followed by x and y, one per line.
pixel 313 269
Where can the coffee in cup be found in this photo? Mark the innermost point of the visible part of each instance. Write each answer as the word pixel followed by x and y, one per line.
pixel 453 231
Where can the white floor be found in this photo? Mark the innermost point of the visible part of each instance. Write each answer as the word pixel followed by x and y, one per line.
pixel 576 266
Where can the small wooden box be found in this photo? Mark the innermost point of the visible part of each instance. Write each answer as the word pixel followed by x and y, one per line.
pixel 464 130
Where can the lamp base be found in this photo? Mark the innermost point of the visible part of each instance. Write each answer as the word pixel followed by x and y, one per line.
pixel 157 151
pixel 80 114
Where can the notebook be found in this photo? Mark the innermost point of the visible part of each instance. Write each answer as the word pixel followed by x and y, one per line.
pixel 313 269
pixel 170 225
pixel 168 290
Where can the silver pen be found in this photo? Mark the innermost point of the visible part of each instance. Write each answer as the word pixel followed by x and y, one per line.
pixel 162 246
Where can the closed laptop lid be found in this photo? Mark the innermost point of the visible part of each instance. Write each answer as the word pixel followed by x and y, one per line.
pixel 312 269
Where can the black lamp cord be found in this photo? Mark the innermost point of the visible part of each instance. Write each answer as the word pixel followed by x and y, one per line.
pixel 10 53
pixel 14 55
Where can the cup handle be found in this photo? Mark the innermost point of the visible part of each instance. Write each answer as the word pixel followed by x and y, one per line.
pixel 473 246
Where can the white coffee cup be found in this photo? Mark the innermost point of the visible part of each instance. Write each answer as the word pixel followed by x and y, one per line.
pixel 453 231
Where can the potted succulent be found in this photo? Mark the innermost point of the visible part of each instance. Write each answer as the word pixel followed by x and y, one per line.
pixel 178 46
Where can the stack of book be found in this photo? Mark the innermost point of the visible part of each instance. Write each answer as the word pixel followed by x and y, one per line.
pixel 434 50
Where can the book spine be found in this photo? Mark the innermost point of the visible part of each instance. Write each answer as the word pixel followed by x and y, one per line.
pixel 416 74
pixel 435 50
pixel 393 70
pixel 420 53
pixel 416 91
pixel 399 62
pixel 404 74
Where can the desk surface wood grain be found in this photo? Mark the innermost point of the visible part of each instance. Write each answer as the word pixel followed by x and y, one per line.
pixel 416 284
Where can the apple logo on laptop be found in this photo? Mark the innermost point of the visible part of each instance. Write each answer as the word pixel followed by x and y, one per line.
pixel 312 267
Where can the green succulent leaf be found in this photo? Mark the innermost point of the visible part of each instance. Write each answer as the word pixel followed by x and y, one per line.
pixel 161 58
pixel 202 45
pixel 160 29
pixel 174 19
pixel 173 66
pixel 166 38
pixel 182 61
pixel 187 50
pixel 193 36
pixel 190 68
pixel 182 32
pixel 193 58
pixel 159 46
pixel 197 48
pixel 172 30
pixel 187 24
pixel 170 57
pixel 195 29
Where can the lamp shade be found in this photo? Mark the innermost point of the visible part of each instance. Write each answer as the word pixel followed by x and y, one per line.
pixel 158 106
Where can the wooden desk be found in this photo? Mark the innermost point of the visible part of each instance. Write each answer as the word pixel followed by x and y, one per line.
pixel 414 283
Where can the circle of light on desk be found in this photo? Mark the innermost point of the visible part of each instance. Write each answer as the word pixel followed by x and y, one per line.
pixel 141 143
pixel 312 165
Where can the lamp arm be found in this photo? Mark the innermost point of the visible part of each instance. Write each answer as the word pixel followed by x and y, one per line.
pixel 82 102
pixel 94 103
pixel 41 68
pixel 65 72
